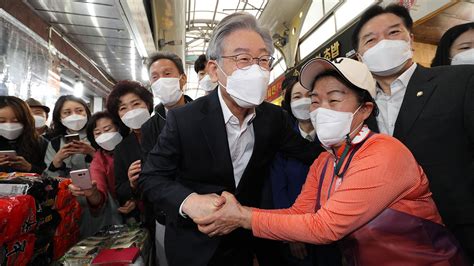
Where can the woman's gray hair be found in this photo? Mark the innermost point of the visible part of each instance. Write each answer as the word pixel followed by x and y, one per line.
pixel 231 23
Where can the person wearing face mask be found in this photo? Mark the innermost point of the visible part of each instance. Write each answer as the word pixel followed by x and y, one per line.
pixel 168 80
pixel 225 140
pixel 430 110
pixel 205 82
pixel 288 175
pixel 366 192
pixel 17 132
pixel 456 46
pixel 70 116
pixel 104 134
pixel 40 114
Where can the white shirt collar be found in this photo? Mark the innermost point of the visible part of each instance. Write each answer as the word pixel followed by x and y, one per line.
pixel 228 114
pixel 404 78
pixel 312 134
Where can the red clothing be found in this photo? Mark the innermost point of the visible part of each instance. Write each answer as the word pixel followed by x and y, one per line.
pixel 383 173
pixel 102 171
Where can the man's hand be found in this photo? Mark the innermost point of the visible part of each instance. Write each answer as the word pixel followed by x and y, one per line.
pixel 129 206
pixel 198 206
pixel 133 173
pixel 230 217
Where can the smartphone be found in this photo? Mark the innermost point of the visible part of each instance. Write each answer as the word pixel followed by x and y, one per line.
pixel 9 153
pixel 69 138
pixel 81 178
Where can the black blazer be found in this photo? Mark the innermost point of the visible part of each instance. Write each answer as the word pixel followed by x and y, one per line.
pixel 436 122
pixel 192 155
pixel 151 129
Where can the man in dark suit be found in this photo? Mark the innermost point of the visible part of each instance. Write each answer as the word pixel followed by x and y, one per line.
pixel 430 110
pixel 224 141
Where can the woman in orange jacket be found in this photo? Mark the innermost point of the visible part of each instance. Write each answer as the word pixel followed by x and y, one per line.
pixel 367 191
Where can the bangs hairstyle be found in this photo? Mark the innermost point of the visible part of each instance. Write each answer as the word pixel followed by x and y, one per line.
pixel 442 57
pixel 28 142
pixel 288 84
pixel 363 96
pixel 125 87
pixel 397 10
pixel 58 129
pixel 91 125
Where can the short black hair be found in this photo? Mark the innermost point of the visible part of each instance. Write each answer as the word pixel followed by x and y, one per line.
pixel 287 85
pixel 397 10
pixel 93 123
pixel 57 126
pixel 363 96
pixel 166 55
pixel 441 57
pixel 124 87
pixel 200 63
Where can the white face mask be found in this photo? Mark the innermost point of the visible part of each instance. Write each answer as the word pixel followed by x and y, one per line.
pixel 387 57
pixel 206 84
pixel 109 140
pixel 74 122
pixel 39 121
pixel 135 118
pixel 248 87
pixel 331 126
pixel 300 108
pixel 464 58
pixel 11 131
pixel 167 90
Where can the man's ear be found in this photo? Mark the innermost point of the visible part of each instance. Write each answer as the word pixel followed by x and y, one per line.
pixel 212 70
pixel 182 81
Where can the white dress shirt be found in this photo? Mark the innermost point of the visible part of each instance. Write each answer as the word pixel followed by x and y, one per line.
pixel 389 105
pixel 241 139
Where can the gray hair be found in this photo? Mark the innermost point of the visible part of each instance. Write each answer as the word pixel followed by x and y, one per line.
pixel 231 23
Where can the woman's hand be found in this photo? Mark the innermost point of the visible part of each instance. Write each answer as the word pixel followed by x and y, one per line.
pixel 20 163
pixel 133 173
pixel 128 207
pixel 82 148
pixel 62 154
pixel 92 194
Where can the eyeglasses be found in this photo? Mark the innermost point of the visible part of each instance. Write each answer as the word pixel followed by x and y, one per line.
pixel 245 61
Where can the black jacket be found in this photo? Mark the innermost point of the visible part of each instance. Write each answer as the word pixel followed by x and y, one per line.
pixel 436 122
pixel 152 128
pixel 192 155
pixel 37 162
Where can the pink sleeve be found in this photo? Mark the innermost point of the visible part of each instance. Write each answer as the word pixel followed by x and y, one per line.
pixel 379 176
pixel 97 170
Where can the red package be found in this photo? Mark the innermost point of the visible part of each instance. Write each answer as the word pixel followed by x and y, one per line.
pixel 70 218
pixel 63 243
pixel 19 251
pixel 64 196
pixel 17 216
pixel 117 257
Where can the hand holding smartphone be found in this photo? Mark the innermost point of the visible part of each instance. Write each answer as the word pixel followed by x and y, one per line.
pixel 9 153
pixel 71 137
pixel 81 178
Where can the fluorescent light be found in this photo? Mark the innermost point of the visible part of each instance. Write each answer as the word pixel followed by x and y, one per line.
pixel 145 76
pixel 78 88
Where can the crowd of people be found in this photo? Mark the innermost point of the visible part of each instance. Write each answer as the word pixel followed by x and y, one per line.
pixel 369 161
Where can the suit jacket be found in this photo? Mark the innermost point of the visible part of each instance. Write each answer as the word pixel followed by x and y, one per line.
pixel 436 122
pixel 151 129
pixel 192 155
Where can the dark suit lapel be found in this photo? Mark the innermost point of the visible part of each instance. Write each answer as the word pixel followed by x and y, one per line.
pixel 213 127
pixel 419 90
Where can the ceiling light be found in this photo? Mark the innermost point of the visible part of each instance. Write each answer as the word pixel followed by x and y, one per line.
pixel 78 88
pixel 145 76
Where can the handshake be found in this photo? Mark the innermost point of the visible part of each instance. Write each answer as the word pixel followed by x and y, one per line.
pixel 217 215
